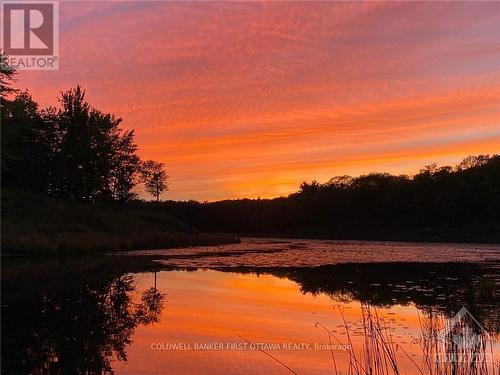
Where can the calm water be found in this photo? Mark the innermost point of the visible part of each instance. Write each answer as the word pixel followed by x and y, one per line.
pixel 260 307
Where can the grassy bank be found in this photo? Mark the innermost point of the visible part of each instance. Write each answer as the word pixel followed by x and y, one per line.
pixel 33 223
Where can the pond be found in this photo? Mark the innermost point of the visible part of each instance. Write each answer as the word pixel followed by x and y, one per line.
pixel 259 307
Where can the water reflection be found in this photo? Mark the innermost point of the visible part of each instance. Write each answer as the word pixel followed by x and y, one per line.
pixel 105 318
pixel 440 287
pixel 74 330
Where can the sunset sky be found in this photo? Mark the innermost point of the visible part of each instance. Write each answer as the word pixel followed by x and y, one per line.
pixel 250 99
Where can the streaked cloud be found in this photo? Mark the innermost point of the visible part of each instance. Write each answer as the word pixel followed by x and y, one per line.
pixel 249 99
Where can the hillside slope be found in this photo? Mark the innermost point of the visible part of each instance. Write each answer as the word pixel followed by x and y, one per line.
pixel 36 223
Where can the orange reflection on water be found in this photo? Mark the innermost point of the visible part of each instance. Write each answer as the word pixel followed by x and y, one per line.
pixel 225 309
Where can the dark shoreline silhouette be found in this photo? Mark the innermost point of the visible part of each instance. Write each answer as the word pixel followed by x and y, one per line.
pixel 447 204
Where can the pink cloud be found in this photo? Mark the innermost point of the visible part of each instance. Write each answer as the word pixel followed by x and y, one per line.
pixel 220 91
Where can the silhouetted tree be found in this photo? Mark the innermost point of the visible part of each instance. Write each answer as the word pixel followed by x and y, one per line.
pixel 154 177
pixel 74 151
pixel 7 73
pixel 97 159
pixel 309 188
pixel 150 307
pixel 24 155
pixel 473 161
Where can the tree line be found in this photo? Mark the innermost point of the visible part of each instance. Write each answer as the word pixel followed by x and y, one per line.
pixel 73 151
pixel 437 203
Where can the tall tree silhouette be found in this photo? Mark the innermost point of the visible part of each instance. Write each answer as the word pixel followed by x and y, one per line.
pixel 98 159
pixel 154 177
pixel 74 151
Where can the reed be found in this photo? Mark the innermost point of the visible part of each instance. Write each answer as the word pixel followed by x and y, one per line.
pixel 444 354
pixel 441 353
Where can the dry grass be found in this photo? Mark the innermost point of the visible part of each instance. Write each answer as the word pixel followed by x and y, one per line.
pixel 440 355
pixel 74 243
pixel 37 224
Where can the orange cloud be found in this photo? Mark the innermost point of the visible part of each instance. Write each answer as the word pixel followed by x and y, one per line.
pixel 248 99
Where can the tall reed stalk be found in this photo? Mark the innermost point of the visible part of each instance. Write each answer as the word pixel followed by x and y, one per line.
pixel 442 352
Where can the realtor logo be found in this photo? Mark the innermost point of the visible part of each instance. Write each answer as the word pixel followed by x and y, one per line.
pixel 460 331
pixel 30 34
pixel 464 337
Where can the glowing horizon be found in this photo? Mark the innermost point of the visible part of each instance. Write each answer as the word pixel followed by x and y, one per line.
pixel 249 99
